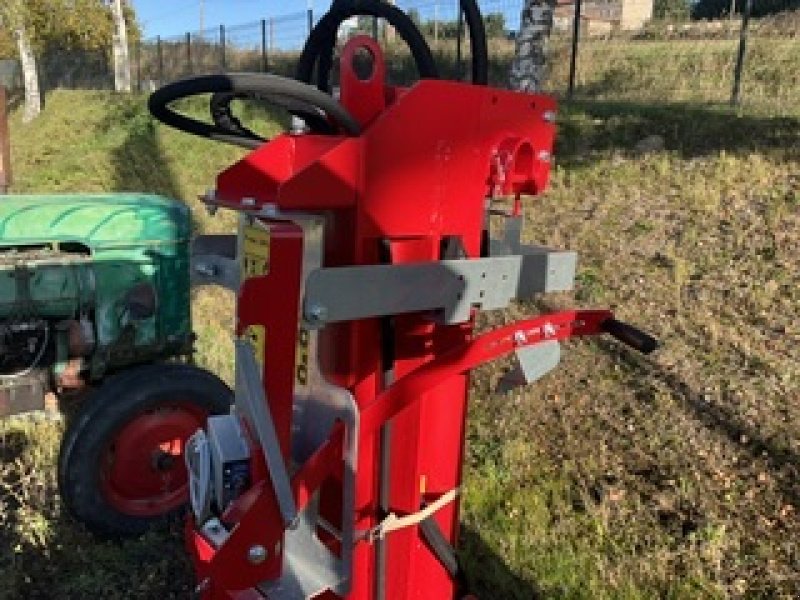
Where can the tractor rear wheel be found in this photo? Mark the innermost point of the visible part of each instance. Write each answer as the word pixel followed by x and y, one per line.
pixel 121 467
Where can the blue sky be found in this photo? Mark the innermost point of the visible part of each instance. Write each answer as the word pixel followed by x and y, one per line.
pixel 170 17
pixel 173 17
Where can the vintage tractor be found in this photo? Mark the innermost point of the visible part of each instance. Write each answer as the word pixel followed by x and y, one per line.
pixel 94 301
pixel 370 236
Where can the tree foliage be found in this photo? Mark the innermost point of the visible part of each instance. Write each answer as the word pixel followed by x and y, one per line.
pixel 715 9
pixel 64 24
pixel 7 46
pixel 671 10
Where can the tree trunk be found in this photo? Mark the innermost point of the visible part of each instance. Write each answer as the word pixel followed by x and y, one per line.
pixel 122 64
pixel 529 68
pixel 30 74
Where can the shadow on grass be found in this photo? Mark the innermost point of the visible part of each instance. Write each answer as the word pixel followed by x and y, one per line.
pixel 140 162
pixel 43 554
pixel 784 463
pixel 588 128
pixel 487 575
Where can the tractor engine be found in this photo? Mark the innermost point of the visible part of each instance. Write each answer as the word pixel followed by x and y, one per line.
pixel 88 285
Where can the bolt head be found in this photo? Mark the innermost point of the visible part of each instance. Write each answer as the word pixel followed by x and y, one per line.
pixel 270 210
pixel 257 555
pixel 248 201
pixel 317 312
pixel 205 270
pixel 549 116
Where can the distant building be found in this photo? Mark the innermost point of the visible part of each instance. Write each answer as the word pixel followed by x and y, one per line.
pixel 600 17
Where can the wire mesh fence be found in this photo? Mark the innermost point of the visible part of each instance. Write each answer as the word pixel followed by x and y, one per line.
pixel 690 62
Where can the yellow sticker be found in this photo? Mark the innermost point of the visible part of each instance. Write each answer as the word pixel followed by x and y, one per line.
pixel 255 251
pixel 257 336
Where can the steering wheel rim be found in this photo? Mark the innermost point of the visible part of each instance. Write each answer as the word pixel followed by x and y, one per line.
pixel 291 94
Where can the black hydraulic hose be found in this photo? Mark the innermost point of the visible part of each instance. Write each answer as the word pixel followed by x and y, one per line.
pixel 477 41
pixel 320 44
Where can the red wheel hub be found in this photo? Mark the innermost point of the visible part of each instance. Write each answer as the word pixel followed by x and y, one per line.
pixel 143 473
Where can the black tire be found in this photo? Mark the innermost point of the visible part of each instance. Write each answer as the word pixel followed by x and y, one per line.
pixel 121 399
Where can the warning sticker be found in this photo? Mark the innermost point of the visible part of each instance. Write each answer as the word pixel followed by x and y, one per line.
pixel 255 251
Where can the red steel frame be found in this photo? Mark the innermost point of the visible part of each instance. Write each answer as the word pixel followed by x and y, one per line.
pixel 418 175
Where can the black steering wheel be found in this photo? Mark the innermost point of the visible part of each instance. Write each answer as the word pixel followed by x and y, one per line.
pixel 298 98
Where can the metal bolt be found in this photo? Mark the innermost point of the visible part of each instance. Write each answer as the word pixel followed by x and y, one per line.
pixel 298 127
pixel 317 313
pixel 549 116
pixel 270 210
pixel 248 201
pixel 520 338
pixel 205 269
pixel 549 330
pixel 545 156
pixel 210 200
pixel 257 555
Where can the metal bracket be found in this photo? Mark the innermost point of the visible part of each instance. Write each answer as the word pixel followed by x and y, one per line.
pixel 532 363
pixel 310 567
pixel 451 286
pixel 214 261
pixel 252 401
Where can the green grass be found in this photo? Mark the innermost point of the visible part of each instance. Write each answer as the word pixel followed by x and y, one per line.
pixel 658 71
pixel 615 477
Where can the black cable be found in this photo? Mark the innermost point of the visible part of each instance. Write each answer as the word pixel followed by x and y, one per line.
pixel 477 41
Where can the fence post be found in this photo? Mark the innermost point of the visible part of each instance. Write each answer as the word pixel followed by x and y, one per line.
pixel 375 32
pixel 264 57
pixel 5 143
pixel 160 52
pixel 459 42
pixel 573 61
pixel 310 20
pixel 222 60
pixel 188 53
pixel 737 75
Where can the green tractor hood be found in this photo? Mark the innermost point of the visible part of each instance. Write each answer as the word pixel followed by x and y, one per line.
pixel 98 221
